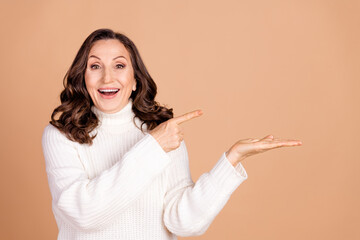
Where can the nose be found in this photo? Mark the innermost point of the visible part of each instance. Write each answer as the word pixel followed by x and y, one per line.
pixel 107 76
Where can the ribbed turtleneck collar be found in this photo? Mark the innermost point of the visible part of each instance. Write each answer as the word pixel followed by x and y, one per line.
pixel 125 115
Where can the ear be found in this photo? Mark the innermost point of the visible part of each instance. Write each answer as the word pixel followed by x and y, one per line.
pixel 134 86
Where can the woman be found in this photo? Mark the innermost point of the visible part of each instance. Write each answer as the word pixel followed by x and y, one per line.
pixel 116 161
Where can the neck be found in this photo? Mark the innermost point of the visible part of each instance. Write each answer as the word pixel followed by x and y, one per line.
pixel 125 115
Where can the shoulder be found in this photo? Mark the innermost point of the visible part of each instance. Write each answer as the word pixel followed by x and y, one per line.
pixel 139 123
pixel 50 131
pixel 53 135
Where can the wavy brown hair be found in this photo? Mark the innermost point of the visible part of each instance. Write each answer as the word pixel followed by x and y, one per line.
pixel 76 119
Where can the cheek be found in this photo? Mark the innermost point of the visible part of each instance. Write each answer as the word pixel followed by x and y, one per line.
pixel 126 80
pixel 90 87
pixel 129 85
pixel 90 82
pixel 130 79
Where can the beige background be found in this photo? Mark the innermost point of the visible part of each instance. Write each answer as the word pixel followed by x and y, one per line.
pixel 287 68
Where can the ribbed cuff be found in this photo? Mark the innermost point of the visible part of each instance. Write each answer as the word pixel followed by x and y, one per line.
pixel 226 176
pixel 147 148
pixel 157 146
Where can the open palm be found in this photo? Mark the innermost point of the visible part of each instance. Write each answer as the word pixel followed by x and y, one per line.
pixel 250 146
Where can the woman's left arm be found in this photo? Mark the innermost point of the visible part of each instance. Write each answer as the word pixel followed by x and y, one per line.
pixel 191 207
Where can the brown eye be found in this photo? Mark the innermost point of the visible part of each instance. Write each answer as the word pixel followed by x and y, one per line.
pixel 119 66
pixel 94 66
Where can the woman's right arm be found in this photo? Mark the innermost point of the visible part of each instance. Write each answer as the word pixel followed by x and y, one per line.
pixel 90 204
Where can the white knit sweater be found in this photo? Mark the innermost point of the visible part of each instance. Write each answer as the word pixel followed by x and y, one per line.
pixel 125 186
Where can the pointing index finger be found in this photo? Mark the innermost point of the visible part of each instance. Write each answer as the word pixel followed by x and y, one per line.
pixel 187 116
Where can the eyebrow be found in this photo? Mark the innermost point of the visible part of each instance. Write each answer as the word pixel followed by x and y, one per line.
pixel 113 58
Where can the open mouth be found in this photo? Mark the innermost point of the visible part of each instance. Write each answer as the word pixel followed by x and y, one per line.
pixel 108 91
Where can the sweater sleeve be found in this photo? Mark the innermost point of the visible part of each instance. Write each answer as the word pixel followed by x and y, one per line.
pixel 90 204
pixel 191 207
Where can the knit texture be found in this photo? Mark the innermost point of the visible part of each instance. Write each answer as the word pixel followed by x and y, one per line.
pixel 125 186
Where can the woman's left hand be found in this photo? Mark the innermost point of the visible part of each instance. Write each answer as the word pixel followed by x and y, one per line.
pixel 248 147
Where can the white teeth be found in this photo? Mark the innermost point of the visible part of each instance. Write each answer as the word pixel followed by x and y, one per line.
pixel 108 90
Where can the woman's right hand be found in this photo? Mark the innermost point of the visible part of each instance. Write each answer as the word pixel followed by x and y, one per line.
pixel 169 134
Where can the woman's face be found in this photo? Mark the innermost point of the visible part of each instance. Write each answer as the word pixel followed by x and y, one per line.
pixel 109 75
